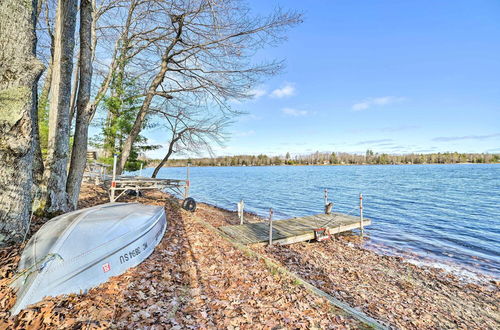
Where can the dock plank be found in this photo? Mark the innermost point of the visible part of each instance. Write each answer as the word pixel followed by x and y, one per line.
pixel 293 230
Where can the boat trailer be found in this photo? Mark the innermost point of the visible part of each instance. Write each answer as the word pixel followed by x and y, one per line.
pixel 123 184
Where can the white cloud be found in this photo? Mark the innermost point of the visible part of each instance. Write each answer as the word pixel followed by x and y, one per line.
pixel 244 133
pixel 249 117
pixel 372 142
pixel 257 93
pixel 287 90
pixel 376 101
pixel 466 137
pixel 294 112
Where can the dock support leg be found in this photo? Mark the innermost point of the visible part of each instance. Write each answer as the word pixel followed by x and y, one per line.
pixel 328 205
pixel 241 206
pixel 361 214
pixel 186 187
pixel 98 176
pixel 113 182
pixel 270 226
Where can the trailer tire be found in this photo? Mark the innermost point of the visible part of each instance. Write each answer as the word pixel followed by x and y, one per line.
pixel 132 193
pixel 189 204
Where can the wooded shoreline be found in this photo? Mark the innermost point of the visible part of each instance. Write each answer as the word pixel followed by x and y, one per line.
pixel 151 165
pixel 335 158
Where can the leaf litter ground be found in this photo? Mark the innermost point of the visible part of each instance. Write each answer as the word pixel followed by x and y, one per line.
pixel 387 288
pixel 194 279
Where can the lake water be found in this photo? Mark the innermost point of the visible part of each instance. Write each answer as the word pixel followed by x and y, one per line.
pixel 447 215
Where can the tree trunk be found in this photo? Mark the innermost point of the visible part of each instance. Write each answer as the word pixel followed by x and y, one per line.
pixel 165 159
pixel 37 156
pixel 84 109
pixel 139 120
pixel 56 200
pixel 143 111
pixel 109 139
pixel 40 116
pixel 43 100
pixel 74 89
pixel 19 74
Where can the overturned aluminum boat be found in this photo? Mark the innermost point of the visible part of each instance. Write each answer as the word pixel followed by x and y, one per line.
pixel 79 250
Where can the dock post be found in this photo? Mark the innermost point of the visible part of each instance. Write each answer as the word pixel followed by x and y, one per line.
pixel 186 188
pixel 241 206
pixel 113 182
pixel 328 206
pixel 361 214
pixel 270 226
pixel 98 174
pixel 140 170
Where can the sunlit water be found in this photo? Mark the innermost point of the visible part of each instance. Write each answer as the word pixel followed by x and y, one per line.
pixel 445 214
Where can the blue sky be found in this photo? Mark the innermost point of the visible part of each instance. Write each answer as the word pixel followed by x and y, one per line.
pixel 391 76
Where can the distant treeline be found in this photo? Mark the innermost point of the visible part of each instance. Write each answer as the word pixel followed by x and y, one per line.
pixel 338 158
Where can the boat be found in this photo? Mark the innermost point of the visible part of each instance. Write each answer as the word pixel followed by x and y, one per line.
pixel 79 250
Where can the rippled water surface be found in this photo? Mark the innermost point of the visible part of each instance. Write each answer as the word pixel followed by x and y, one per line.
pixel 443 213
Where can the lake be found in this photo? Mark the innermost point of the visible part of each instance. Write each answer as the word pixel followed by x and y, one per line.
pixel 443 215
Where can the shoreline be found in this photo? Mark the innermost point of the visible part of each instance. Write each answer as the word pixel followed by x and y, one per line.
pixel 314 255
pixel 464 273
pixel 194 278
pixel 291 165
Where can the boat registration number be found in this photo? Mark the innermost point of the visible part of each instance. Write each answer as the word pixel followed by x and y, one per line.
pixel 132 253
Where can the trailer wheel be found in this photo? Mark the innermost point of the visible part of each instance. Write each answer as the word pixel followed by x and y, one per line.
pixel 189 204
pixel 136 193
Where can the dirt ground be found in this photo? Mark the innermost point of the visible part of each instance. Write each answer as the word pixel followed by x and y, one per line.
pixel 193 279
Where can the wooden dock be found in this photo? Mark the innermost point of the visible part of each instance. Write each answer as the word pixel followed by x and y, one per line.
pixel 293 230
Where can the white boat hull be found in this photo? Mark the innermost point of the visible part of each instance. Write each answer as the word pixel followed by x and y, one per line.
pixel 80 250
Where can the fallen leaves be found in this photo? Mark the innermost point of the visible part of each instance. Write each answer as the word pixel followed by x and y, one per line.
pixel 388 289
pixel 194 279
pixel 385 287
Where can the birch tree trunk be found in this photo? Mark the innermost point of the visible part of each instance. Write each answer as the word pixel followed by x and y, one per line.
pixel 19 74
pixel 84 109
pixel 55 199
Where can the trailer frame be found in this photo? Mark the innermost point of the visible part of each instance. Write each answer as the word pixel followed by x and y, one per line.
pixel 123 183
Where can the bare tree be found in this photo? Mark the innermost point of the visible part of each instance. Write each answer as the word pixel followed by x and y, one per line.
pixel 207 52
pixel 84 109
pixel 192 129
pixel 19 74
pixel 200 48
pixel 55 199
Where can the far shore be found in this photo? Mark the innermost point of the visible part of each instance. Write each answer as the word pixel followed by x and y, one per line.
pixel 152 165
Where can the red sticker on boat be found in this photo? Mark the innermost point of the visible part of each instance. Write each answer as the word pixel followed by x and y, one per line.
pixel 106 267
